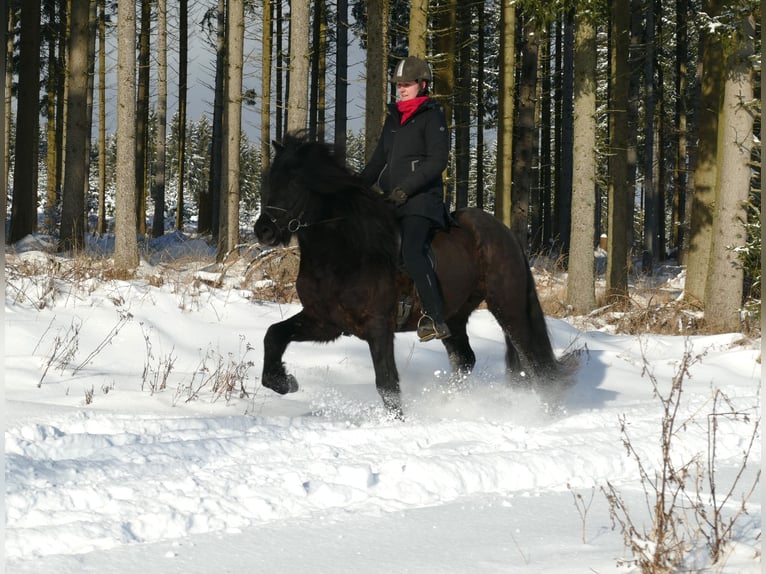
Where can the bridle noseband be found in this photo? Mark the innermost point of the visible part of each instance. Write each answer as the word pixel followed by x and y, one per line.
pixel 292 226
pixel 296 223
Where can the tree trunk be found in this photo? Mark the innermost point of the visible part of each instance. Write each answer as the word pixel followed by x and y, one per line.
pixel 706 172
pixel 4 35
pixel 723 291
pixel 563 203
pixel 480 111
pixel 418 31
pixel 72 236
pixel 208 219
pixel 266 61
pixel 54 76
pixel 506 88
pixel 280 80
pixel 375 85
pixel 318 67
pixel 652 208
pixel 158 192
pixel 581 295
pixel 341 79
pixel 24 208
pixel 620 196
pixel 101 225
pixel 462 113
pixel 8 57
pixel 125 242
pixel 526 148
pixel 142 116
pixel 183 67
pixel 546 179
pixel 235 18
pixel 679 166
pixel 297 99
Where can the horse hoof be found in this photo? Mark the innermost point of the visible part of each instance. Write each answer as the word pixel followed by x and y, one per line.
pixel 281 384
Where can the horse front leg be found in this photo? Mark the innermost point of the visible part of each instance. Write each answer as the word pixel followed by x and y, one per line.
pixel 386 375
pixel 299 327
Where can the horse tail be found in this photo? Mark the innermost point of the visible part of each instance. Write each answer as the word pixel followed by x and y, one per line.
pixel 545 359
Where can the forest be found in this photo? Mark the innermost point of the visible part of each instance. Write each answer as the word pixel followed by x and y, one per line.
pixel 630 126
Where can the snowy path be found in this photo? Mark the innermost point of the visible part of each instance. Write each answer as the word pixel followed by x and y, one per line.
pixel 133 471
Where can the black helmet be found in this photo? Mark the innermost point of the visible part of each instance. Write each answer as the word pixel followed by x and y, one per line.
pixel 411 69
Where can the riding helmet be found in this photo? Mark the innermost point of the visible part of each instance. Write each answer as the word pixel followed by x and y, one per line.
pixel 411 69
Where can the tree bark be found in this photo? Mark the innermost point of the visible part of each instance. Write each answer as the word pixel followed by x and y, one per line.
pixel 235 18
pixel 620 197
pixel 724 288
pixel 125 241
pixel 341 79
pixel 581 296
pixel 266 61
pixel 297 99
pixel 526 149
pixel 418 30
pixel 24 208
pixel 72 234
pixel 506 88
pixel 158 191
pixel 375 85
pixel 183 76
pixel 706 172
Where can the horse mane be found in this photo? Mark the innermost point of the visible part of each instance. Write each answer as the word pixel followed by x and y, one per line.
pixel 368 222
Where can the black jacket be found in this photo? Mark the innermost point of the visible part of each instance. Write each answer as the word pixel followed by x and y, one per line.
pixel 412 157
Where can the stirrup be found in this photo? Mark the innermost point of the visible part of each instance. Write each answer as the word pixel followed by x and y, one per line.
pixel 429 329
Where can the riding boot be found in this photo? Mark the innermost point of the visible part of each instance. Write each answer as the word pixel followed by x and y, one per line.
pixel 431 325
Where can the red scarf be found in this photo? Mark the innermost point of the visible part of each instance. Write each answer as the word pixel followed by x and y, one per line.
pixel 407 108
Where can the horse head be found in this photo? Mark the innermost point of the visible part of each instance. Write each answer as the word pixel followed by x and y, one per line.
pixel 302 189
pixel 285 197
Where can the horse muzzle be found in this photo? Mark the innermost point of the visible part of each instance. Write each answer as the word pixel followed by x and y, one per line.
pixel 269 233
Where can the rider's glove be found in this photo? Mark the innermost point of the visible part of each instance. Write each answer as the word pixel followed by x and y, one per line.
pixel 397 197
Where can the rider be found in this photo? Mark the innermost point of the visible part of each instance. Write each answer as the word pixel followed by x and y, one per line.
pixel 407 165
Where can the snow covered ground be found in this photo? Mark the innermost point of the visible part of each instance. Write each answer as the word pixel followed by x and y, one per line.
pixel 138 440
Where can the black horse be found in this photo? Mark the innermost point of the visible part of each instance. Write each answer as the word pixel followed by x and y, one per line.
pixel 350 280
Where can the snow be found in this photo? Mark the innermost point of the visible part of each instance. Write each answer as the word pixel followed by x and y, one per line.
pixel 138 439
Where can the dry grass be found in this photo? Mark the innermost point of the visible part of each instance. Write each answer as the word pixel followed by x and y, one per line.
pixel 653 306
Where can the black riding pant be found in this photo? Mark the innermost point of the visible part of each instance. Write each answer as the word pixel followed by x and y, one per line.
pixel 416 238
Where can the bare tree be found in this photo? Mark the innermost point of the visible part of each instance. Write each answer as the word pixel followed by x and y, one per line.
pixel 581 279
pixel 125 241
pixel 418 31
pixel 101 225
pixel 142 116
pixel 158 190
pixel 503 181
pixel 620 197
pixel 723 291
pixel 183 77
pixel 297 99
pixel 527 146
pixel 706 171
pixel 235 37
pixel 24 208
pixel 375 102
pixel 341 78
pixel 72 234
pixel 266 61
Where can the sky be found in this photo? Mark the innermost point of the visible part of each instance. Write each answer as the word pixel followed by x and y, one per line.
pixel 201 74
pixel 138 437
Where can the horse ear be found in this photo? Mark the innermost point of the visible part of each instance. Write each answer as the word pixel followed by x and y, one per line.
pixel 277 146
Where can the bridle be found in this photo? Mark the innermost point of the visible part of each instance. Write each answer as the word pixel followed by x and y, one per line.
pixel 296 223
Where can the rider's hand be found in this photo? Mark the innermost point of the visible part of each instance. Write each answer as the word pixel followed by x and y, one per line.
pixel 397 197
